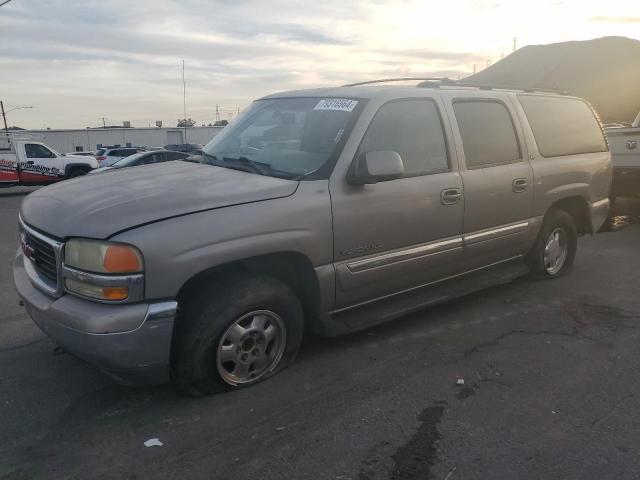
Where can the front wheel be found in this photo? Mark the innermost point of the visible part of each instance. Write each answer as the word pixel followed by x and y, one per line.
pixel 554 250
pixel 235 333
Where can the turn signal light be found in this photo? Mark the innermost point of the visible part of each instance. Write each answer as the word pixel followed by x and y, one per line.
pixel 115 293
pixel 121 259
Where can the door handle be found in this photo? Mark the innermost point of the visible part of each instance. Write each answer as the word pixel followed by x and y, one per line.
pixel 450 196
pixel 520 185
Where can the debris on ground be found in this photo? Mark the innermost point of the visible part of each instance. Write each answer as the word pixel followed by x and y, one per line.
pixel 153 442
pixel 460 381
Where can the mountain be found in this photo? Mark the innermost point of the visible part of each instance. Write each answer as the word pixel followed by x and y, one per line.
pixel 605 71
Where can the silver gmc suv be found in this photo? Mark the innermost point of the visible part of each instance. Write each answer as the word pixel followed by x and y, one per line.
pixel 327 210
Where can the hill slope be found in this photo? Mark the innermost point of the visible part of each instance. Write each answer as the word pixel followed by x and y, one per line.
pixel 605 71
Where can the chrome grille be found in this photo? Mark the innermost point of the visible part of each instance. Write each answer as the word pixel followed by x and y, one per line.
pixel 44 257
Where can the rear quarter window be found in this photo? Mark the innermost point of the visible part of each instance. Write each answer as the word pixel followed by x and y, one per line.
pixel 563 126
pixel 488 135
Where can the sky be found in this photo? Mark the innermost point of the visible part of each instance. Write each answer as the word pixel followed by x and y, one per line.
pixel 79 61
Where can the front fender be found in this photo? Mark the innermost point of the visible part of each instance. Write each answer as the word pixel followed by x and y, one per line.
pixel 177 249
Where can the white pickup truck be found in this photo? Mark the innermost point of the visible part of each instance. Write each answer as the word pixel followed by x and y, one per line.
pixel 624 143
pixel 27 162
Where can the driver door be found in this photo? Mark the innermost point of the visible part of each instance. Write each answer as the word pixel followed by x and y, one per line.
pixel 399 234
pixel 39 164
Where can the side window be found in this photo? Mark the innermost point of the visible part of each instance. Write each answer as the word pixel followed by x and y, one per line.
pixel 562 126
pixel 34 150
pixel 487 131
pixel 413 129
pixel 174 155
pixel 153 158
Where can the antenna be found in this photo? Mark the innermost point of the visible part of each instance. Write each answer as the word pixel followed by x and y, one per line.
pixel 515 42
pixel 217 113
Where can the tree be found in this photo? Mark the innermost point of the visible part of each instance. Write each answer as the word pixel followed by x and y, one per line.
pixel 186 123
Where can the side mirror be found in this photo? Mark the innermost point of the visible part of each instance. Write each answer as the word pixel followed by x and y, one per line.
pixel 374 167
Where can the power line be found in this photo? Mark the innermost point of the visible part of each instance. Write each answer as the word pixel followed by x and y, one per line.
pixel 5 2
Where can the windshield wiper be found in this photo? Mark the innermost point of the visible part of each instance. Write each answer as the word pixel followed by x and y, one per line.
pixel 245 164
pixel 255 167
pixel 241 163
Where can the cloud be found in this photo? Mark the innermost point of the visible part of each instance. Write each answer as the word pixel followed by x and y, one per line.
pixel 615 19
pixel 78 60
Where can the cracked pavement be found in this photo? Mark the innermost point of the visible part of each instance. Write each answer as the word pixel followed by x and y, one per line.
pixel 551 390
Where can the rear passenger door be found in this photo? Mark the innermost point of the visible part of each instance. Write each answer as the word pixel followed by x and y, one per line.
pixel 398 234
pixel 497 178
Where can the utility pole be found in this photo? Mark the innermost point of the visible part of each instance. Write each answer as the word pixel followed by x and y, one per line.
pixel 474 68
pixel 4 117
pixel 104 121
pixel 184 102
pixel 515 42
pixel 217 113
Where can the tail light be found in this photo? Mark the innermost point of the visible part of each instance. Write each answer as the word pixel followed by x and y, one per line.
pixel 101 158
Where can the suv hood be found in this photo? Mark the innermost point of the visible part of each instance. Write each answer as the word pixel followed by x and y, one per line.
pixel 97 206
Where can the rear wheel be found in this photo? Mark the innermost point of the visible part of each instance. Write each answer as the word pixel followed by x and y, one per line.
pixel 555 248
pixel 235 333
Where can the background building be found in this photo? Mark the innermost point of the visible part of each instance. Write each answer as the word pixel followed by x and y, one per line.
pixel 83 140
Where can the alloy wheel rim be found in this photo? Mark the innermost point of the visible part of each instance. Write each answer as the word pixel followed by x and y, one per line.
pixel 555 251
pixel 251 347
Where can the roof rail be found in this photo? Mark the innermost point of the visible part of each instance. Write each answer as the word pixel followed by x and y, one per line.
pixel 437 82
pixel 489 86
pixel 401 79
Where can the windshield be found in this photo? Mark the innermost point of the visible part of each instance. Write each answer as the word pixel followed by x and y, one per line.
pixel 126 161
pixel 288 137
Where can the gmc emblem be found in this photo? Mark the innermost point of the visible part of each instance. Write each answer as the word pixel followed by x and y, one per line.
pixel 27 249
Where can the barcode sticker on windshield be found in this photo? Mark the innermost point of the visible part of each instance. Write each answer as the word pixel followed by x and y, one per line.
pixel 340 104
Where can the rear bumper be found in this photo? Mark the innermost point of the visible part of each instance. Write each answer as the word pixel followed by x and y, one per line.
pixel 87 330
pixel 626 182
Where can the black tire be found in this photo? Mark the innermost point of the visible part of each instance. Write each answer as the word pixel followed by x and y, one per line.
pixel 76 173
pixel 554 220
pixel 204 319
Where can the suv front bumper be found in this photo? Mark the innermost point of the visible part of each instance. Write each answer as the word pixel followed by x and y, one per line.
pixel 130 342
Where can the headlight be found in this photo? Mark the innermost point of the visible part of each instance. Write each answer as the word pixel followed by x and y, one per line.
pixel 103 270
pixel 102 257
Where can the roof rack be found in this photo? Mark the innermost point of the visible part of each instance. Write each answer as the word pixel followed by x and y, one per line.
pixel 19 135
pixel 489 86
pixel 437 82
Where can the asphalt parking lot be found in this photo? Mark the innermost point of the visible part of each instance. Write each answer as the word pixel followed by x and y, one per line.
pixel 551 391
